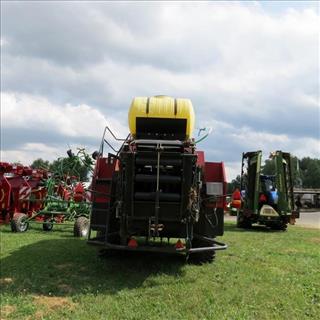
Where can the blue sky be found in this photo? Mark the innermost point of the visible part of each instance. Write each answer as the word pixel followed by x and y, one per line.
pixel 250 68
pixel 279 6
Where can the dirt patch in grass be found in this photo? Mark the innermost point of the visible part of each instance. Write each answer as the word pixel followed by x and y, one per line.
pixel 5 281
pixel 290 250
pixel 315 240
pixel 53 303
pixel 6 311
pixel 38 315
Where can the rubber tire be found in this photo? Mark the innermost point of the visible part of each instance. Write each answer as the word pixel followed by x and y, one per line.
pixel 17 223
pixel 281 226
pixel 81 227
pixel 200 257
pixel 245 223
pixel 101 234
pixel 47 226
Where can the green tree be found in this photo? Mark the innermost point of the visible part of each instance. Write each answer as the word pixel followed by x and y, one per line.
pixel 67 167
pixel 269 167
pixel 235 183
pixel 310 172
pixel 306 172
pixel 78 165
pixel 40 164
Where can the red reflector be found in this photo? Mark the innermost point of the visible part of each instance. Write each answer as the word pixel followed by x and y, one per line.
pixel 179 244
pixel 132 243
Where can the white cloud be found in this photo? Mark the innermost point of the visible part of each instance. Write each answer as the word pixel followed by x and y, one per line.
pixel 26 111
pixel 30 151
pixel 232 169
pixel 252 74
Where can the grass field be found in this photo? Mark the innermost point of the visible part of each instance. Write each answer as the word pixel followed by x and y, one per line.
pixel 262 275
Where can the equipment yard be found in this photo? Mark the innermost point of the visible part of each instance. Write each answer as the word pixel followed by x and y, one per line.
pixel 159 160
pixel 262 275
pixel 153 215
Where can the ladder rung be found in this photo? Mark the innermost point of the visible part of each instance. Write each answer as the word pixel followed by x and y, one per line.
pixel 103 226
pixel 102 209
pixel 104 180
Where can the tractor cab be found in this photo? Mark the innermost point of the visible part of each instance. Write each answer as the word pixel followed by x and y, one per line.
pixel 269 189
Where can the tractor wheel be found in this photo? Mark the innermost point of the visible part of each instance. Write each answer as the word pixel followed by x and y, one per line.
pixel 201 257
pixel 280 226
pixel 101 234
pixel 48 225
pixel 243 222
pixel 81 227
pixel 19 223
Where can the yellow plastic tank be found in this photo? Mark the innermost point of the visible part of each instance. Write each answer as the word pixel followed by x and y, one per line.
pixel 163 114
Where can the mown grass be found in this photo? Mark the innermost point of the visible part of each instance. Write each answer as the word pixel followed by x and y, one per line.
pixel 262 275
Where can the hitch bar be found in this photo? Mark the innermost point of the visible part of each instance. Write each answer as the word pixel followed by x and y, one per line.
pixel 219 246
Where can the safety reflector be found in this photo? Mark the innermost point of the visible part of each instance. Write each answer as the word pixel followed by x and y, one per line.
pixel 179 244
pixel 132 243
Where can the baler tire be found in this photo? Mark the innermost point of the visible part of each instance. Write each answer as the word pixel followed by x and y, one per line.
pixel 81 227
pixel 18 223
pixel 244 224
pixel 13 226
pixel 47 225
pixel 203 257
pixel 101 234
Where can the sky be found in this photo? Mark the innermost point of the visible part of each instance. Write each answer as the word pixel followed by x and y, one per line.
pixel 251 69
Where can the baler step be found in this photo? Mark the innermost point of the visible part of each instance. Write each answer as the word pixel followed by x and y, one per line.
pixel 152 196
pixel 103 180
pixel 163 161
pixel 99 211
pixel 100 226
pixel 153 178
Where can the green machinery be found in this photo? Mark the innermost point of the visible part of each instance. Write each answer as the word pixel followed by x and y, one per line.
pixel 66 200
pixel 69 206
pixel 267 199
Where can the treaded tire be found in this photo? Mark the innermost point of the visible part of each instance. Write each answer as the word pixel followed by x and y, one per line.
pixel 281 226
pixel 48 225
pixel 81 227
pixel 243 222
pixel 18 223
pixel 201 257
pixel 101 235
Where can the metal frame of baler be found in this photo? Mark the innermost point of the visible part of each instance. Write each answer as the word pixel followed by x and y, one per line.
pixel 103 242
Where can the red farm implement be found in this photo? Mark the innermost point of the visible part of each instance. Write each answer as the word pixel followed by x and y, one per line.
pixel 5 193
pixel 15 191
pixel 158 186
pixel 55 198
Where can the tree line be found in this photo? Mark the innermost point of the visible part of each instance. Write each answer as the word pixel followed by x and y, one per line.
pixel 306 173
pixel 78 165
